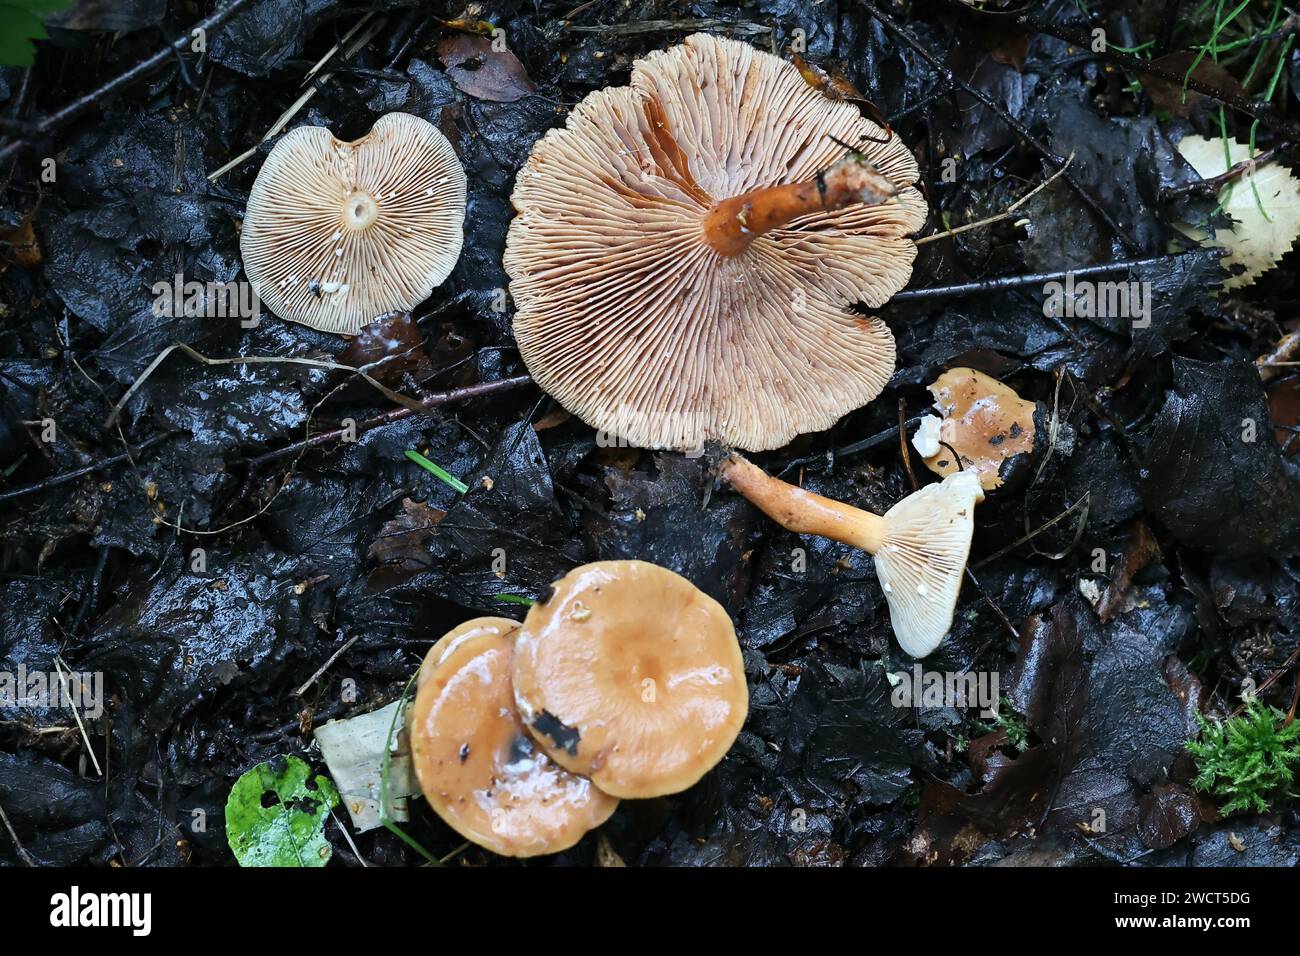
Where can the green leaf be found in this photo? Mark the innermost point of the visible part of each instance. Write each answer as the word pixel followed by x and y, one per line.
pixel 287 827
pixel 20 24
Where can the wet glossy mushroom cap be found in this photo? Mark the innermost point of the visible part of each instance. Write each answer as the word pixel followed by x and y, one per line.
pixel 638 325
pixel 338 233
pixel 631 675
pixel 984 421
pixel 477 765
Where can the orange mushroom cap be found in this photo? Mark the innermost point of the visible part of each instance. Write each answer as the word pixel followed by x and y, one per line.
pixel 338 233
pixel 477 765
pixel 631 675
pixel 642 321
pixel 983 421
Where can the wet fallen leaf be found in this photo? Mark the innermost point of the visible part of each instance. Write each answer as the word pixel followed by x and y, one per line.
pixel 483 71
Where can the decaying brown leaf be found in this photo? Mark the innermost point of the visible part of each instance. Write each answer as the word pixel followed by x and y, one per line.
pixel 483 72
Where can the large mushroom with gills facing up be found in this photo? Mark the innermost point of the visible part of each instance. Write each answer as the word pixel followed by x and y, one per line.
pixel 338 233
pixel 687 247
pixel 631 675
pixel 478 767
pixel 920 545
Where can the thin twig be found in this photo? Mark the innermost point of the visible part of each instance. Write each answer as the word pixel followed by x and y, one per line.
pixel 1207 187
pixel 67 476
pixel 26 857
pixel 296 106
pixel 1002 283
pixel 142 69
pixel 326 666
pixel 85 737
pixel 427 404
pixel 1006 213
pixel 1081 504
pixel 902 443
pixel 388 393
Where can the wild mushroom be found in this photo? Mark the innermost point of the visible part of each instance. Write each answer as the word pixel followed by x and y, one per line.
pixel 920 545
pixel 982 424
pixel 478 767
pixel 338 233
pixel 686 249
pixel 632 676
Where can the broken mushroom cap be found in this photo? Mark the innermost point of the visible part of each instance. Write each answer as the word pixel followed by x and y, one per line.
pixel 981 421
pixel 338 233
pixel 920 545
pixel 632 676
pixel 477 765
pixel 687 248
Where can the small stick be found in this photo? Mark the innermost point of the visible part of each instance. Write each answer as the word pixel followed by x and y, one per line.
pixel 984 286
pixel 428 403
pixel 67 476
pixel 296 106
pixel 902 443
pixel 85 737
pixel 26 857
pixel 1005 214
pixel 1210 186
pixel 326 666
pixel 1280 356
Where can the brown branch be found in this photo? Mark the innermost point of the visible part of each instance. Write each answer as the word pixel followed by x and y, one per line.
pixel 427 403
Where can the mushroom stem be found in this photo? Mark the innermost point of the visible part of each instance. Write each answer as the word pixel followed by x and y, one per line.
pixel 804 512
pixel 732 224
pixel 920 545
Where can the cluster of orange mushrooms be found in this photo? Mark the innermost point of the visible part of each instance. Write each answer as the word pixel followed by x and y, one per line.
pixel 626 682
pixel 683 262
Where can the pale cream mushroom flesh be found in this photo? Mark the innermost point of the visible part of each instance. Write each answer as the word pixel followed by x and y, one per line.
pixel 920 545
pixel 981 424
pixel 336 234
pixel 629 674
pixel 478 767
pixel 664 294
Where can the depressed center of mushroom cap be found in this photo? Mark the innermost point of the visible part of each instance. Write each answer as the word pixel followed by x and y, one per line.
pixel 477 766
pixel 335 234
pixel 359 210
pixel 631 675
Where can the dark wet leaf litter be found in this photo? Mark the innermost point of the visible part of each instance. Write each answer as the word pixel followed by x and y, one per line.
pixel 354 541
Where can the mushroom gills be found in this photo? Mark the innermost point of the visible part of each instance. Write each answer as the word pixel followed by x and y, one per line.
pixel 923 558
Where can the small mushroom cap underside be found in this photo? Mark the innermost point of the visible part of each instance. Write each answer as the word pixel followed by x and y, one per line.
pixel 921 564
pixel 631 675
pixel 634 324
pixel 478 767
pixel 338 233
pixel 981 419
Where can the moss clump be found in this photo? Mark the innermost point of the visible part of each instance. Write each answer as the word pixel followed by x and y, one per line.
pixel 1246 760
